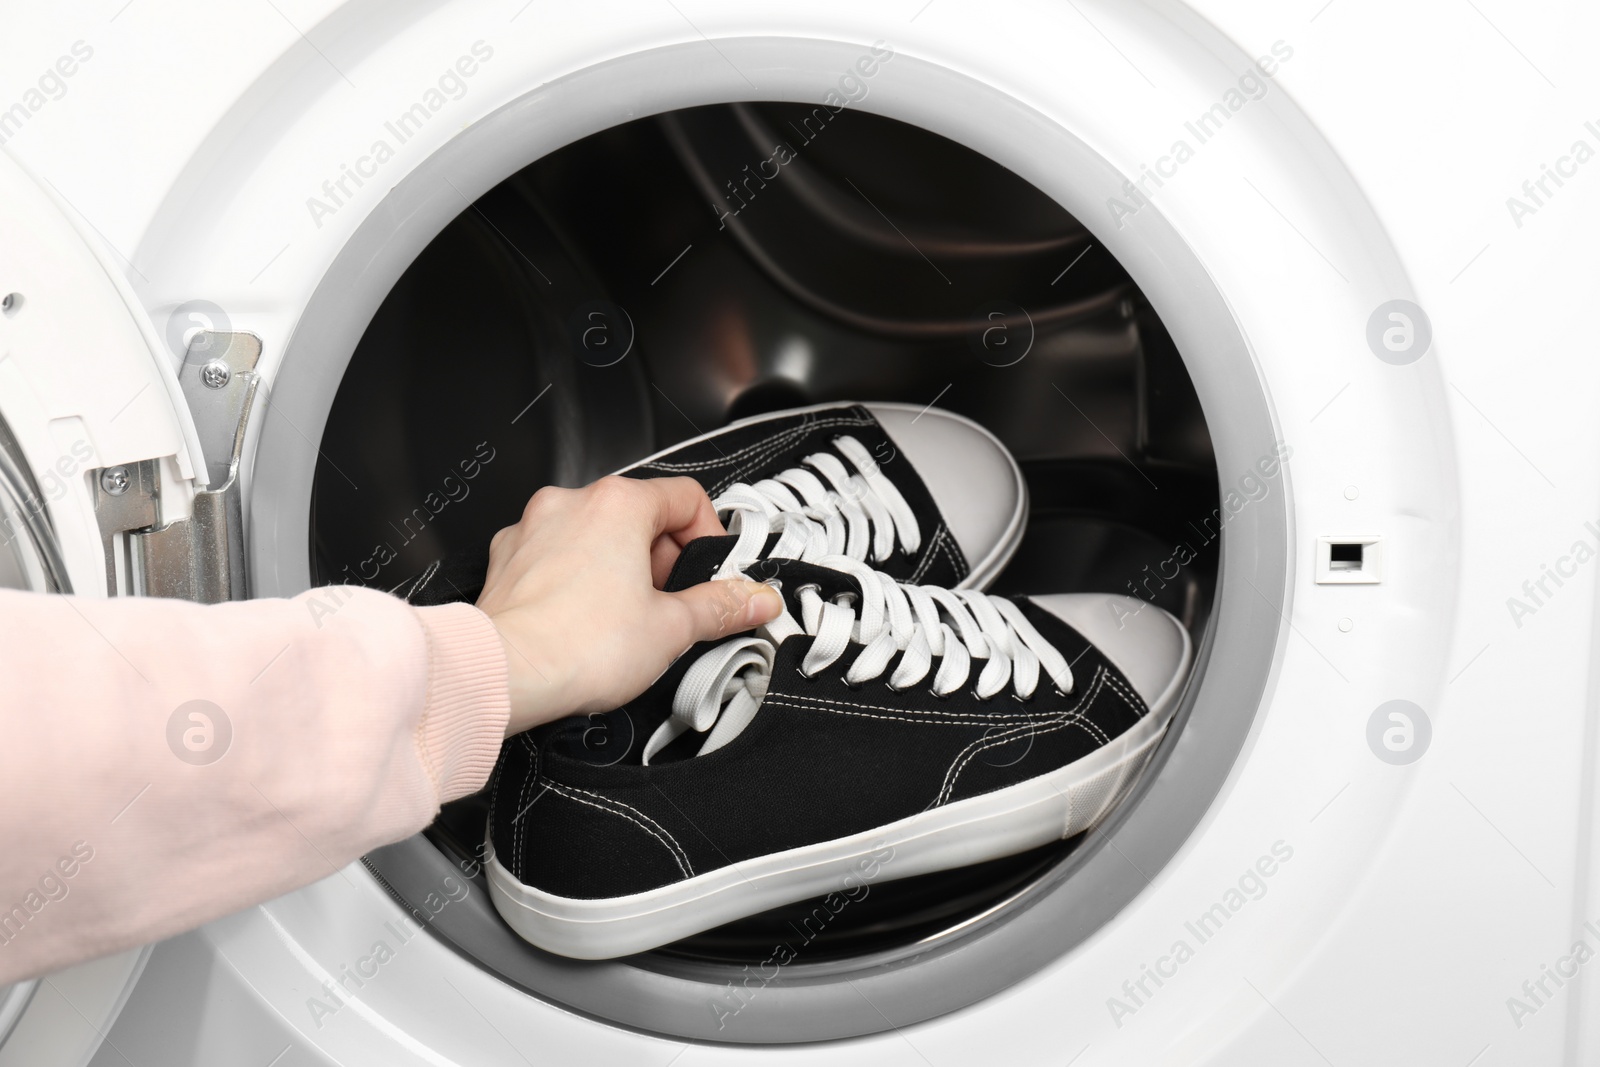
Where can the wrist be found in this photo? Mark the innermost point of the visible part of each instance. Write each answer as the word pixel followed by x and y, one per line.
pixel 539 693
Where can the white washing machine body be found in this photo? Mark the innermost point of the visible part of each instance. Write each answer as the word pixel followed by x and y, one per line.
pixel 1348 886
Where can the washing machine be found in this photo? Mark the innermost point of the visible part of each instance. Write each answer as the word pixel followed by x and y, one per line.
pixel 1284 309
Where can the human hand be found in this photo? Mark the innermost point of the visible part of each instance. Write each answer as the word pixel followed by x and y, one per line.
pixel 575 590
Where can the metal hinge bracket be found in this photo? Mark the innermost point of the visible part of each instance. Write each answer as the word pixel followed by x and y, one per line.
pixel 201 557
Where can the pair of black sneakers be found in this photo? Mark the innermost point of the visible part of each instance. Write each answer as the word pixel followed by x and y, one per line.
pixel 894 721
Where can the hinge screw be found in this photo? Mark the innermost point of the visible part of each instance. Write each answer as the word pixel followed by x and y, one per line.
pixel 215 374
pixel 114 480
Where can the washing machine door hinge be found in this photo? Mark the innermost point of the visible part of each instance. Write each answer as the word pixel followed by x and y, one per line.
pixel 200 557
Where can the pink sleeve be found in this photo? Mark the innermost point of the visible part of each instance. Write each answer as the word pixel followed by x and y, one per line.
pixel 164 763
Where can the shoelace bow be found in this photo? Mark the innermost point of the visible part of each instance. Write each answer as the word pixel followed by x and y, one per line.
pixel 842 512
pixel 723 689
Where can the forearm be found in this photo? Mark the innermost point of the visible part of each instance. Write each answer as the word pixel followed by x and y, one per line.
pixel 333 723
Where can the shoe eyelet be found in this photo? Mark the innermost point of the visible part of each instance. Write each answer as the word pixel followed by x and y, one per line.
pixel 813 586
pixel 935 694
pixel 848 684
pixel 981 699
pixel 1020 699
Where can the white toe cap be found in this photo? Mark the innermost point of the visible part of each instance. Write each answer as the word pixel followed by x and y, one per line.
pixel 1145 643
pixel 975 483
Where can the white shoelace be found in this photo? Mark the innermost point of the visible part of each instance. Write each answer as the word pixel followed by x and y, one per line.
pixel 722 691
pixel 843 512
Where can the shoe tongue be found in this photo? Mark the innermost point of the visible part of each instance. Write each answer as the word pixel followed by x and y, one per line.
pixel 698 562
pixel 700 559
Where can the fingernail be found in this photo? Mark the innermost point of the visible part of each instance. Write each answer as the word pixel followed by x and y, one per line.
pixel 764 604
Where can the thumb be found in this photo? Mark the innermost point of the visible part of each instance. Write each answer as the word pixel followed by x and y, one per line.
pixel 717 609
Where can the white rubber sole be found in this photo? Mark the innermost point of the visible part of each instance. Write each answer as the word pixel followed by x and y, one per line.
pixel 1057 805
pixel 982 572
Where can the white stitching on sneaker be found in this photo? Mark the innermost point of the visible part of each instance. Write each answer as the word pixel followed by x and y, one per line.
pixel 752 457
pixel 733 477
pixel 644 822
pixel 1071 717
pixel 520 836
pixel 996 740
pixel 958 562
pixel 763 445
pixel 908 717
pixel 758 452
pixel 1020 725
pixel 941 541
pixel 928 555
pixel 1065 717
pixel 1136 702
pixel 419 583
pixel 494 788
pixel 1024 716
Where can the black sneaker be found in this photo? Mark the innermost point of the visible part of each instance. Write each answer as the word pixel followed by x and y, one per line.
pixel 875 731
pixel 923 494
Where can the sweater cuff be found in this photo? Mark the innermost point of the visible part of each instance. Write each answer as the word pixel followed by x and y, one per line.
pixel 468 703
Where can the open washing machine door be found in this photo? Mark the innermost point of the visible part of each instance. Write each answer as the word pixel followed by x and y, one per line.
pixel 121 450
pixel 104 490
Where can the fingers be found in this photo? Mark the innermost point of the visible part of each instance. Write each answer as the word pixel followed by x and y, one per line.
pixel 667 512
pixel 664 554
pixel 683 511
pixel 675 507
pixel 717 609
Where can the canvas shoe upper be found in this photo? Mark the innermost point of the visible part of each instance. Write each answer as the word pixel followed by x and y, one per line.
pixel 874 727
pixel 923 494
